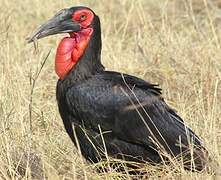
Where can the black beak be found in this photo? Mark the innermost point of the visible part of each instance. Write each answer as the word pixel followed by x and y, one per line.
pixel 60 23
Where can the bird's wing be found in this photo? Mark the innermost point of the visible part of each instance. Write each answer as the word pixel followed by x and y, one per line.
pixel 132 109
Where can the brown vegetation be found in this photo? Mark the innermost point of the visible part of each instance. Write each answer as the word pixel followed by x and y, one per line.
pixel 175 43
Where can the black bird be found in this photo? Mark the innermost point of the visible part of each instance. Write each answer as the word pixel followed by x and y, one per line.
pixel 111 111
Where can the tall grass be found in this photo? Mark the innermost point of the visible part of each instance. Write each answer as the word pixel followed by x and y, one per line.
pixel 175 43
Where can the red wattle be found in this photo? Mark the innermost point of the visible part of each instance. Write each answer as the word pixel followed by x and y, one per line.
pixel 69 51
pixel 63 59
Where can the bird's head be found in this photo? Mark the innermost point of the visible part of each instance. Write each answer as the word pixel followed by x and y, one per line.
pixel 83 27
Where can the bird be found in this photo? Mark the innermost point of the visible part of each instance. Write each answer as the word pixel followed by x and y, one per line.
pixel 108 113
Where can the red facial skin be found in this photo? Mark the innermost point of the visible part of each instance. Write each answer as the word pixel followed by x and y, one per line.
pixel 70 49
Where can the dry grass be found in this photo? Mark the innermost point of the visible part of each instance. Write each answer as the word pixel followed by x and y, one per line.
pixel 175 43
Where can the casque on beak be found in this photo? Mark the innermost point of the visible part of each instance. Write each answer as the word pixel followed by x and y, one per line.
pixel 61 23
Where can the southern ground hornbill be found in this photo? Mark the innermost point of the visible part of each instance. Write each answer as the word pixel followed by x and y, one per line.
pixel 110 111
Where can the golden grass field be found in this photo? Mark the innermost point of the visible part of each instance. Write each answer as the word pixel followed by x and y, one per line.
pixel 175 43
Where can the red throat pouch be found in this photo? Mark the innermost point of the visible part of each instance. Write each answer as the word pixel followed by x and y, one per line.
pixel 69 51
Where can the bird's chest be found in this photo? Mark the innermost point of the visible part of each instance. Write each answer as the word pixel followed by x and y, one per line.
pixel 92 104
pixel 63 108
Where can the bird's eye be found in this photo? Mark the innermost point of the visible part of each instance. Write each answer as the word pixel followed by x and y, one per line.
pixel 82 17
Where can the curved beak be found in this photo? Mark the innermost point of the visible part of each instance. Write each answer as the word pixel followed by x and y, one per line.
pixel 60 23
